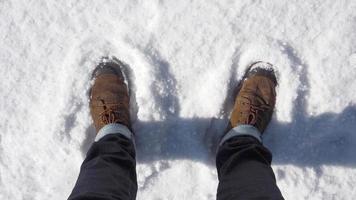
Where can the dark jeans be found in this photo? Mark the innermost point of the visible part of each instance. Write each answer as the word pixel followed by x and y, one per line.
pixel 109 171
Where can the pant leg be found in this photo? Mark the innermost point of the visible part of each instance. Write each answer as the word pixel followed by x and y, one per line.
pixel 244 170
pixel 108 172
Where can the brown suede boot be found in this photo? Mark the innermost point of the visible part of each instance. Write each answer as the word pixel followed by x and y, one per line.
pixel 256 99
pixel 109 98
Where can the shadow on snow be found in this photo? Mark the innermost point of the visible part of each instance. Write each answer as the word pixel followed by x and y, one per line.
pixel 327 139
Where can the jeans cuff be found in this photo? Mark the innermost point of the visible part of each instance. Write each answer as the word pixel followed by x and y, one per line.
pixel 243 130
pixel 114 128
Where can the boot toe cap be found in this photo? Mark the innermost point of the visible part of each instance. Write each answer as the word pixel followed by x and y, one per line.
pixel 262 69
pixel 107 68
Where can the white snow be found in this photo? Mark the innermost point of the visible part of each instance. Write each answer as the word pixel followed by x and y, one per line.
pixel 185 58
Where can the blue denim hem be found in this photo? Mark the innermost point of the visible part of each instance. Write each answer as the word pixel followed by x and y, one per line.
pixel 114 128
pixel 242 130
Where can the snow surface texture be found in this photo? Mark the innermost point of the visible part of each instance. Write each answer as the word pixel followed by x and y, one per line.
pixel 185 58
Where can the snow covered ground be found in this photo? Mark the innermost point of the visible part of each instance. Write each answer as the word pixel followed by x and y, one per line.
pixel 185 57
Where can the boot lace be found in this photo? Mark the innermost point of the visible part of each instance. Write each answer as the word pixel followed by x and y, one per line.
pixel 111 113
pixel 255 112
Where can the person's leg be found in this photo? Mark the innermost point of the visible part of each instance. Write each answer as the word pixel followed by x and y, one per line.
pixel 109 170
pixel 243 163
pixel 244 170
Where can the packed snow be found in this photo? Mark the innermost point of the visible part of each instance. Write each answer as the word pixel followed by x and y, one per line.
pixel 185 59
